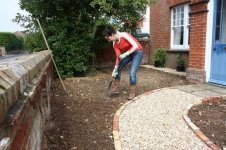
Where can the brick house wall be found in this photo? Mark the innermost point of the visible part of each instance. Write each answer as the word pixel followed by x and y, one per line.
pixel 161 29
pixel 198 24
pixel 161 34
pixel 160 25
pixel 161 22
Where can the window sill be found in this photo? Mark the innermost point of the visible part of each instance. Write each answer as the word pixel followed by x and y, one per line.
pixel 177 50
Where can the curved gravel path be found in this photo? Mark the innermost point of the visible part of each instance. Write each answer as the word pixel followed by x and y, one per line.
pixel 155 121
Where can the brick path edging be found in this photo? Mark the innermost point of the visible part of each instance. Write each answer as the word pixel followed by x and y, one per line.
pixel 116 135
pixel 196 130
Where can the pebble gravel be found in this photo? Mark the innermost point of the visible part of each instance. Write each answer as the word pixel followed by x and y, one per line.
pixel 155 121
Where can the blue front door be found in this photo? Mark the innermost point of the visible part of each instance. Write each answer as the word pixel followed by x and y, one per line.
pixel 218 60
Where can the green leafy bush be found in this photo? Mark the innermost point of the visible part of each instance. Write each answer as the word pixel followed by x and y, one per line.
pixel 72 52
pixel 180 60
pixel 99 42
pixel 34 42
pixel 10 41
pixel 159 57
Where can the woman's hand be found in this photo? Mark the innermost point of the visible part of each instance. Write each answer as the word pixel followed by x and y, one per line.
pixel 115 72
pixel 122 56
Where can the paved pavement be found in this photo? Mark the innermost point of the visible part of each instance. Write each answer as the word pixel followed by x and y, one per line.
pixel 154 120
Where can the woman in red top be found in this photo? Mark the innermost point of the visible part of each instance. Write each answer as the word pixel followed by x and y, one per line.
pixel 127 50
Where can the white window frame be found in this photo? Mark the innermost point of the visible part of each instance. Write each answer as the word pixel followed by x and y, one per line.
pixel 186 25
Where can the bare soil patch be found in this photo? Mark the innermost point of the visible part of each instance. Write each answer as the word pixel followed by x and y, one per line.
pixel 211 119
pixel 83 119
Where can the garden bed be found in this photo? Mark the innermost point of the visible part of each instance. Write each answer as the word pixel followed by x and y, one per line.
pixel 83 119
pixel 210 117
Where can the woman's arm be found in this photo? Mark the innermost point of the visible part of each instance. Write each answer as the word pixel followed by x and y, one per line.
pixel 118 53
pixel 131 40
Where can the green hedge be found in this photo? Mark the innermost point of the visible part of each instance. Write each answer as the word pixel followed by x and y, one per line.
pixel 34 42
pixel 159 57
pixel 10 41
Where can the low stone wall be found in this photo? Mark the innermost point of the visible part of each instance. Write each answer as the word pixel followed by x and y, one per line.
pixel 24 100
pixel 171 58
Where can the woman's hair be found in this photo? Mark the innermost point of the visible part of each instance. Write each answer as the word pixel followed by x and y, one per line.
pixel 108 31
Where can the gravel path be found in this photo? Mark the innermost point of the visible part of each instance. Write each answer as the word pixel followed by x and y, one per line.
pixel 155 121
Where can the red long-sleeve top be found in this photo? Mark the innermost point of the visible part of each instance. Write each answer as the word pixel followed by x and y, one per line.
pixel 126 43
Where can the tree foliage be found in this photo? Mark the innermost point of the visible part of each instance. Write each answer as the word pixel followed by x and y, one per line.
pixel 70 26
pixel 34 42
pixel 11 41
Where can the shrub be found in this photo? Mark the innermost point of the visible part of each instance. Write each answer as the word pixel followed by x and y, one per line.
pixel 99 42
pixel 180 60
pixel 159 57
pixel 34 42
pixel 72 53
pixel 10 41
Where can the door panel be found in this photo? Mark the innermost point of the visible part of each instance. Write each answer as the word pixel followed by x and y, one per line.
pixel 218 58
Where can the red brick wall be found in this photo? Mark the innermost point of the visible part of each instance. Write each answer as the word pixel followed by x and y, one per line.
pixel 160 32
pixel 198 23
pixel 177 2
pixel 29 124
pixel 161 22
pixel 160 25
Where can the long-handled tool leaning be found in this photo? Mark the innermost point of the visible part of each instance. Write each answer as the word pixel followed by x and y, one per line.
pixel 65 90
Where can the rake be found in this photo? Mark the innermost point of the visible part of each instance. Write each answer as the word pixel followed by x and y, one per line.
pixel 108 93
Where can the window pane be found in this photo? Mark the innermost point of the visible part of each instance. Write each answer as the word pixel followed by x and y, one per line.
pixel 178 22
pixel 182 21
pixel 219 5
pixel 182 36
pixel 189 35
pixel 180 26
pixel 182 9
pixel 178 36
pixel 178 15
pixel 223 34
pixel 217 36
pixel 176 10
pixel 218 20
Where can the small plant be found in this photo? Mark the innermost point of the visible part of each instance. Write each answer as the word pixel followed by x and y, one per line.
pixel 180 62
pixel 159 57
